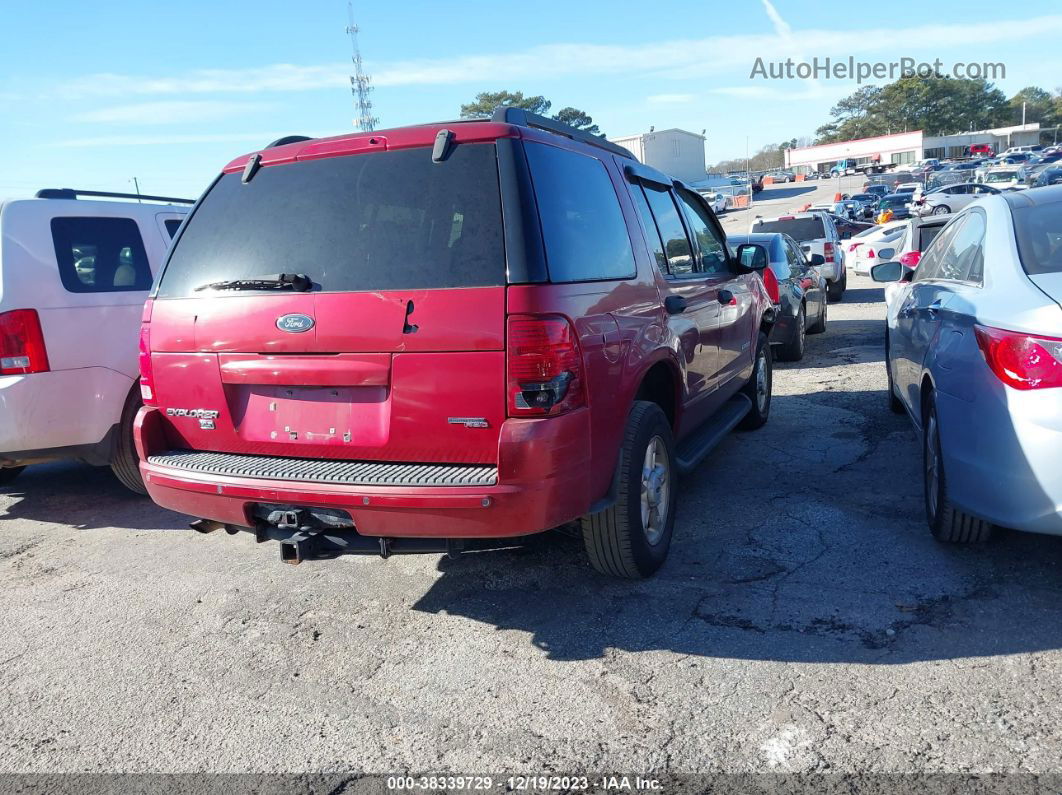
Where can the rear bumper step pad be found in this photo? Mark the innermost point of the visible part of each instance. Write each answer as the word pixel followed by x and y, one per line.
pixel 323 470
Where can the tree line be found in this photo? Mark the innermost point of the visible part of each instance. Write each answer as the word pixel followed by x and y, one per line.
pixel 935 104
pixel 938 106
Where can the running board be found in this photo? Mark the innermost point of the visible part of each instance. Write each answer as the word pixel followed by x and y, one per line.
pixel 696 447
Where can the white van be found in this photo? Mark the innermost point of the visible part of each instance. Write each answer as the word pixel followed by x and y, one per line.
pixel 75 270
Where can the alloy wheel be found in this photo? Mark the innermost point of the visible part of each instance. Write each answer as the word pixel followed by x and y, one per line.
pixel 932 466
pixel 656 489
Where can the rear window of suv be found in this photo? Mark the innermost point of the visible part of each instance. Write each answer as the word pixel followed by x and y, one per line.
pixel 377 221
pixel 799 229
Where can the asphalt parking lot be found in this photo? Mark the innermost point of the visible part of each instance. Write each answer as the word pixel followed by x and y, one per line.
pixel 805 621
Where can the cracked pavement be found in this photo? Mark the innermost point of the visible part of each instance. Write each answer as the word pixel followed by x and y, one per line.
pixel 806 621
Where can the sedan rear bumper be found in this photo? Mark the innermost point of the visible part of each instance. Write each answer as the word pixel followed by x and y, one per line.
pixel 1001 456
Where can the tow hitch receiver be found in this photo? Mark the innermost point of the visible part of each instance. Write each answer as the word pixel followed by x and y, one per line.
pixel 308 533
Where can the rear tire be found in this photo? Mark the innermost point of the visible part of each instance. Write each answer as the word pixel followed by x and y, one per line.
pixel 946 522
pixel 793 349
pixel 632 538
pixel 820 325
pixel 941 209
pixel 125 463
pixel 835 290
pixel 758 389
pixel 895 404
pixel 7 474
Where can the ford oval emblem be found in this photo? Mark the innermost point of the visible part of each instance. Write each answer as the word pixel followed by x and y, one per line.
pixel 295 323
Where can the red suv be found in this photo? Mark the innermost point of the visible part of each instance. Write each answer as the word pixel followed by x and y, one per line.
pixel 434 337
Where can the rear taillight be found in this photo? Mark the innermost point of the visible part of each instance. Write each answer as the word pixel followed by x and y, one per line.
pixel 827 251
pixel 1020 360
pixel 870 253
pixel 22 343
pixel 545 368
pixel 147 381
pixel 911 259
pixel 770 284
pixel 853 247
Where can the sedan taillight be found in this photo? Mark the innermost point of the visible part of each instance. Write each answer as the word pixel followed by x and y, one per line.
pixel 1020 360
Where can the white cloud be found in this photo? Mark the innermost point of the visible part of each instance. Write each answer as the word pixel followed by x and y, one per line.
pixel 781 27
pixel 679 59
pixel 169 112
pixel 670 99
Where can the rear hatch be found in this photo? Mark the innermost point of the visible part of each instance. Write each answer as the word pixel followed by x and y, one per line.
pixel 397 351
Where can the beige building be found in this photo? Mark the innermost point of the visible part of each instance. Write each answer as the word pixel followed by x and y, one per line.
pixel 678 153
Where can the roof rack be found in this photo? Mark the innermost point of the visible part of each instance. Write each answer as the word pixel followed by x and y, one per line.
pixel 522 118
pixel 288 139
pixel 71 193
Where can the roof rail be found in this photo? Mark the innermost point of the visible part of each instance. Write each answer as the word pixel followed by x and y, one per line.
pixel 509 115
pixel 71 193
pixel 288 139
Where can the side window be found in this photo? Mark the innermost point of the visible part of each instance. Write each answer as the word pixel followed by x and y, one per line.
pixel 172 225
pixel 100 255
pixel 963 260
pixel 652 234
pixel 711 252
pixel 795 256
pixel 582 224
pixel 930 263
pixel 676 244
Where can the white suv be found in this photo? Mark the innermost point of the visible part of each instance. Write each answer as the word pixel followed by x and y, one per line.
pixel 816 234
pixel 74 275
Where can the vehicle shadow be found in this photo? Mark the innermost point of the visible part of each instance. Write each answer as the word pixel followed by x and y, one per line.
pixel 791 546
pixel 83 497
pixel 863 295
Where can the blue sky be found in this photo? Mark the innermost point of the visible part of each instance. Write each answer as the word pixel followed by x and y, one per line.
pixel 93 94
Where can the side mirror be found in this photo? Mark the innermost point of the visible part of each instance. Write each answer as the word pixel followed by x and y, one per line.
pixel 887 272
pixel 816 260
pixel 752 256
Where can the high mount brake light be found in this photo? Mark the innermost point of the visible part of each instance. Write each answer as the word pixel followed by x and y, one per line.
pixel 544 368
pixel 1020 360
pixel 22 347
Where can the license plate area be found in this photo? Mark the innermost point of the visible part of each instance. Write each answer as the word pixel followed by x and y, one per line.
pixel 308 415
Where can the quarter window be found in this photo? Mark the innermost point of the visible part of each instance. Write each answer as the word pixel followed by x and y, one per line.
pixel 582 224
pixel 100 255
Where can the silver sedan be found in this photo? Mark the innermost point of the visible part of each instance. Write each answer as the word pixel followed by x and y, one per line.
pixel 974 356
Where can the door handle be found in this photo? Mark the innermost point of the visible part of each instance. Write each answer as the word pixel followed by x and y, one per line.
pixel 726 297
pixel 675 304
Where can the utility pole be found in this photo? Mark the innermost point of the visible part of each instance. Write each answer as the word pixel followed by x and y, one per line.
pixel 359 81
pixel 137 186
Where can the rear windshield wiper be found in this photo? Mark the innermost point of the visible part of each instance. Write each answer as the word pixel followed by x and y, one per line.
pixel 299 282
